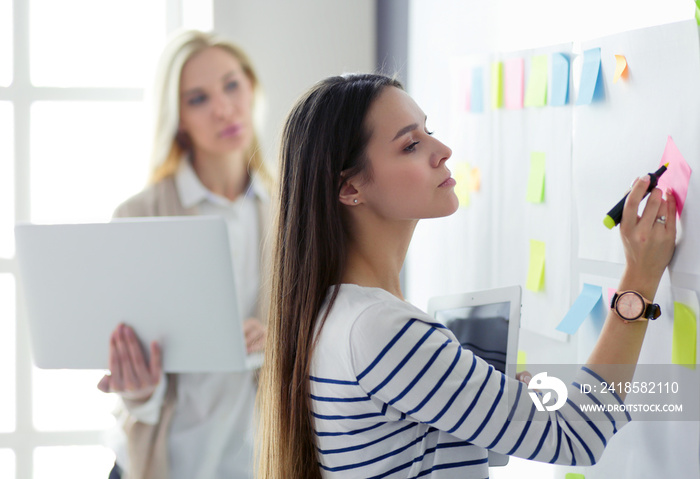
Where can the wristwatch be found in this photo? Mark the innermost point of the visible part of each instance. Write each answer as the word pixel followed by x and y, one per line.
pixel 632 306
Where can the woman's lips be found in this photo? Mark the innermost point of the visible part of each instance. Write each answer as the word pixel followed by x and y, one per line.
pixel 448 182
pixel 230 131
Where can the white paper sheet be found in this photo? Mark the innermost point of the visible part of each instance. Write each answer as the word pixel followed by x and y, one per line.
pixel 624 136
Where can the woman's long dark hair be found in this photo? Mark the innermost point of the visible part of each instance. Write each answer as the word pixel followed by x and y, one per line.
pixel 324 141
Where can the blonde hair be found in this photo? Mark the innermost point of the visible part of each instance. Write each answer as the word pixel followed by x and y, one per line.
pixel 167 151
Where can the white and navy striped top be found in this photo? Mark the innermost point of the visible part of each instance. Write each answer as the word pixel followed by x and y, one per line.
pixel 393 394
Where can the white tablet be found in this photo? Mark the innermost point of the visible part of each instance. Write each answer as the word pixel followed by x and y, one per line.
pixel 487 323
pixel 170 278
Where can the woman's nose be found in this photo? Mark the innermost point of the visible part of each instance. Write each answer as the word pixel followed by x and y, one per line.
pixel 223 106
pixel 442 154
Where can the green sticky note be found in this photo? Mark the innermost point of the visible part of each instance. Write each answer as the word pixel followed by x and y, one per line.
pixel 461 172
pixel 535 181
pixel 535 272
pixel 574 475
pixel 536 91
pixel 697 14
pixel 497 85
pixel 684 335
pixel 522 361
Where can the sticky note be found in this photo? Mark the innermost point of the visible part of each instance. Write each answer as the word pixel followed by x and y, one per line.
pixel 475 179
pixel 535 272
pixel 684 335
pixel 697 14
pixel 465 81
pixel 584 305
pixel 522 361
pixel 535 180
pixel 514 83
pixel 496 85
pixel 574 475
pixel 536 91
pixel 559 91
pixel 477 92
pixel 461 175
pixel 591 86
pixel 620 68
pixel 611 293
pixel 677 176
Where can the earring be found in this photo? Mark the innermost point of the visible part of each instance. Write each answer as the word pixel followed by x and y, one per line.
pixel 355 201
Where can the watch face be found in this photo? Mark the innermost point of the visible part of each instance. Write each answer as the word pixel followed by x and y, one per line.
pixel 630 305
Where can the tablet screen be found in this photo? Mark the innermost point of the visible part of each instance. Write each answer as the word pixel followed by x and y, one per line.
pixel 482 329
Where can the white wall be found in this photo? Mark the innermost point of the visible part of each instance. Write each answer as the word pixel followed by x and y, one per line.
pixel 293 44
pixel 443 30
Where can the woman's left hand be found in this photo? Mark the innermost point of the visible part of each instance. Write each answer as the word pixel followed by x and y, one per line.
pixel 255 333
pixel 524 377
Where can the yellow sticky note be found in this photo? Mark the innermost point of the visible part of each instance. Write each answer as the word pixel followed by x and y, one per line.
pixel 461 174
pixel 496 85
pixel 536 91
pixel 535 272
pixel 535 181
pixel 620 68
pixel 574 475
pixel 684 335
pixel 522 361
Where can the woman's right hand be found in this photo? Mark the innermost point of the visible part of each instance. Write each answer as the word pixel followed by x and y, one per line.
pixel 130 375
pixel 649 243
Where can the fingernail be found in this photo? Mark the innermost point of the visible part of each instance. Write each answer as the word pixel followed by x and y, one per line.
pixel 645 179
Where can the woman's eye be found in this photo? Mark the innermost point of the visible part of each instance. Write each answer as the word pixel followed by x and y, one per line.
pixel 412 146
pixel 232 85
pixel 197 100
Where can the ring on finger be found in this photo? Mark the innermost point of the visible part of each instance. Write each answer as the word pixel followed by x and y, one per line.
pixel 661 219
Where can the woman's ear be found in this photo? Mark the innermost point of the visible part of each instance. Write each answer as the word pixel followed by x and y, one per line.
pixel 349 195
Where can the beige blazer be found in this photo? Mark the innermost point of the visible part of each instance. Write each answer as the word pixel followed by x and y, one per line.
pixel 147 444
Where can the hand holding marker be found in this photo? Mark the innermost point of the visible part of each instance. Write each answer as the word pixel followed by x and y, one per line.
pixel 615 214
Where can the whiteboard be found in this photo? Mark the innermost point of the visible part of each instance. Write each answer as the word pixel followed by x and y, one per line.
pixel 610 143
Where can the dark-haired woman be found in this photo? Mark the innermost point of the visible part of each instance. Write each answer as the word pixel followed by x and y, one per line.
pixel 359 383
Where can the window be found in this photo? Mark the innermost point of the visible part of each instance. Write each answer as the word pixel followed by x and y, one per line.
pixel 7 173
pixel 6 57
pixel 7 358
pixel 73 146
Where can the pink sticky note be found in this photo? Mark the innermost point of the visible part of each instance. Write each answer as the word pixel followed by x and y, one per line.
pixel 514 75
pixel 465 83
pixel 611 293
pixel 678 174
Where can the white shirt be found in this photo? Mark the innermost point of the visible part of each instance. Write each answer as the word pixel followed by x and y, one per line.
pixel 211 434
pixel 394 395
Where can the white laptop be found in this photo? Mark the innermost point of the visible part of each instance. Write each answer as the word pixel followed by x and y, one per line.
pixel 487 323
pixel 170 278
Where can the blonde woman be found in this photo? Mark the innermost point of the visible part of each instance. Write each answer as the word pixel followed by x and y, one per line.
pixel 206 160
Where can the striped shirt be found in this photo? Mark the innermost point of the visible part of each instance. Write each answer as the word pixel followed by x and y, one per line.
pixel 394 395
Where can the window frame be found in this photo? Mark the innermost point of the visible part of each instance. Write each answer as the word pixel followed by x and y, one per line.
pixel 21 94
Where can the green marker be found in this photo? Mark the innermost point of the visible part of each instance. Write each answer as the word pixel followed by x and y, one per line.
pixel 615 214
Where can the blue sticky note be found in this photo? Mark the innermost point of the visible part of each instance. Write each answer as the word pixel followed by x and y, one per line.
pixel 559 90
pixel 584 305
pixel 477 103
pixel 591 86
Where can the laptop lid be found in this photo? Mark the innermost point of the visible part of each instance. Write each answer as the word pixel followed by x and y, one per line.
pixel 170 278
